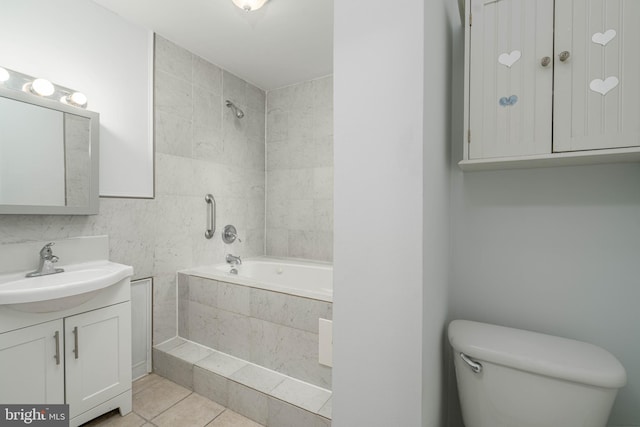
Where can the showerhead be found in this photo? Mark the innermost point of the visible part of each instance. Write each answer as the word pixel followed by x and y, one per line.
pixel 238 112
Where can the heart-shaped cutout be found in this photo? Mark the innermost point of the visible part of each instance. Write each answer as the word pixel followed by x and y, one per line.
pixel 505 102
pixel 603 86
pixel 605 38
pixel 508 59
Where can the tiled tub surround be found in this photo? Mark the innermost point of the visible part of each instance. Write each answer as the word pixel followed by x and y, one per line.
pixel 265 396
pixel 271 329
pixel 300 170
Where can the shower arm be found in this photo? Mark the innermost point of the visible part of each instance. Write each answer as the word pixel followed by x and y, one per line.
pixel 236 111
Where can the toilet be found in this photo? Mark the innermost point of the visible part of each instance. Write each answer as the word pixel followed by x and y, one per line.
pixel 514 378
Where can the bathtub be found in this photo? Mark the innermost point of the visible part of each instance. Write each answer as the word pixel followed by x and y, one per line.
pixel 308 279
pixel 267 314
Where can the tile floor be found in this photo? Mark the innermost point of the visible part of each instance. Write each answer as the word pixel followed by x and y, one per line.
pixel 162 403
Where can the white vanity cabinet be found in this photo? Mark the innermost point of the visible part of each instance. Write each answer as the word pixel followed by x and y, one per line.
pixel 32 364
pixel 80 356
pixel 551 82
pixel 98 365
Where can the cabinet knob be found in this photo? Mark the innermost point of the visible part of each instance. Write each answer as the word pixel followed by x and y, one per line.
pixel 545 61
pixel 564 56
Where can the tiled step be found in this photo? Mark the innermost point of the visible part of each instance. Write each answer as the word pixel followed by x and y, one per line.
pixel 267 397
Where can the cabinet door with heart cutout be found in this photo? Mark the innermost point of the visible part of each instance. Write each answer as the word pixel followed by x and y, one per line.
pixel 597 80
pixel 510 82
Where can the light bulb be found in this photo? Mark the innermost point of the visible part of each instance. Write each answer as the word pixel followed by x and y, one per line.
pixel 4 75
pixel 77 99
pixel 249 5
pixel 42 87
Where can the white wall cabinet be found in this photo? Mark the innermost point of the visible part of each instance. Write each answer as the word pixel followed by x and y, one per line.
pixel 547 81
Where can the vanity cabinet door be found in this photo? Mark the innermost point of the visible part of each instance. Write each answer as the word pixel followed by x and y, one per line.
pixel 98 356
pixel 510 90
pixel 32 364
pixel 597 88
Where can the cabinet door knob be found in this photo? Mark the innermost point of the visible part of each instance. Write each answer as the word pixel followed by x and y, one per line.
pixel 564 56
pixel 545 61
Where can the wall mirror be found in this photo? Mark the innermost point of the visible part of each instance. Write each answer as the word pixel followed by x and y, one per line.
pixel 48 156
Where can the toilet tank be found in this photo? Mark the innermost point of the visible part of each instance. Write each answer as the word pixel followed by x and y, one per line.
pixel 528 379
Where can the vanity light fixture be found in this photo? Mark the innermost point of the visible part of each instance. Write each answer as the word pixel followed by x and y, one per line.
pixel 77 99
pixel 13 80
pixel 42 87
pixel 249 5
pixel 4 75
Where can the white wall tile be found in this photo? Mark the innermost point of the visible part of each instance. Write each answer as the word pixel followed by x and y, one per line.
pixel 173 95
pixel 300 169
pixel 207 75
pixel 172 59
pixel 172 134
pixel 247 402
pixel 210 385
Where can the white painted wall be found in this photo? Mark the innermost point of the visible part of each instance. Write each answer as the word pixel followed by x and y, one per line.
pixel 390 196
pixel 441 18
pixel 556 251
pixel 80 45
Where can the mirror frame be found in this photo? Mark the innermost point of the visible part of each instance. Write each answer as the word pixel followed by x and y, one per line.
pixel 94 135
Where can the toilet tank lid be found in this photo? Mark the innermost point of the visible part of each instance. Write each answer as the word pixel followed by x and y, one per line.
pixel 537 353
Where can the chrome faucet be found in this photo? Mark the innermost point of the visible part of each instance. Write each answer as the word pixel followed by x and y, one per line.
pixel 233 260
pixel 47 261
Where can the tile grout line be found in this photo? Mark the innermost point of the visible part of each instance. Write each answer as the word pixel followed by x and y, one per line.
pixel 162 412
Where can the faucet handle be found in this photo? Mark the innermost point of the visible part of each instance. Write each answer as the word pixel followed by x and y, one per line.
pixel 46 252
pixel 230 234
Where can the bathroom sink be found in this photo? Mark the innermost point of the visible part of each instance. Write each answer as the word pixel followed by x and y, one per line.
pixel 54 292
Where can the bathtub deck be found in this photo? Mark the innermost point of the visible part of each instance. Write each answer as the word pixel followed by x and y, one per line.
pixel 265 396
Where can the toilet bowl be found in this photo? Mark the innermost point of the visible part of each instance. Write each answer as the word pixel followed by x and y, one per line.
pixel 514 378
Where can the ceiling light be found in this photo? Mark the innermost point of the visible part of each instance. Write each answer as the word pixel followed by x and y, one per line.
pixel 42 87
pixel 4 75
pixel 249 5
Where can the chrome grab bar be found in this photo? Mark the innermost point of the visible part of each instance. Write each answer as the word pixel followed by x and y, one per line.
pixel 211 215
pixel 475 366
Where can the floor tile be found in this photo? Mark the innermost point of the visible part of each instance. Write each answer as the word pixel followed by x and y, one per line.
pixel 144 382
pixel 157 398
pixel 231 419
pixel 113 419
pixel 194 411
